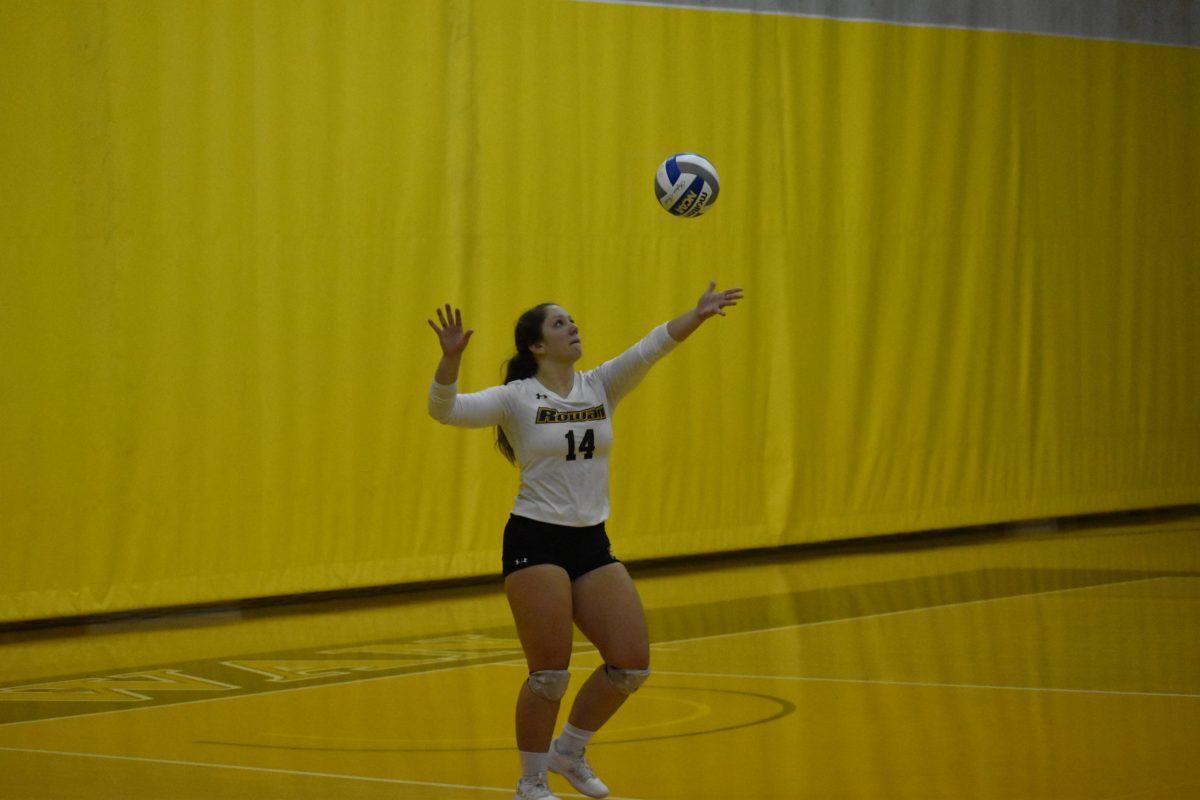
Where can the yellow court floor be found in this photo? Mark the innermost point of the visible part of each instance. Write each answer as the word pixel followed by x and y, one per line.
pixel 1049 661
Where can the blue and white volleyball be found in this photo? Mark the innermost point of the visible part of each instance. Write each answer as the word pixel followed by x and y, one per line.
pixel 686 184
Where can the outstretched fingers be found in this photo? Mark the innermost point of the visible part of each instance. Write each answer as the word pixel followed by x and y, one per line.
pixel 730 297
pixel 449 317
pixel 733 291
pixel 451 334
pixel 723 298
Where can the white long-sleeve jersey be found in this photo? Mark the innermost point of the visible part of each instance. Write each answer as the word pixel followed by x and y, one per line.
pixel 561 443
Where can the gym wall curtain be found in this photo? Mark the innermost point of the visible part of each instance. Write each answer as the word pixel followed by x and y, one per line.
pixel 969 259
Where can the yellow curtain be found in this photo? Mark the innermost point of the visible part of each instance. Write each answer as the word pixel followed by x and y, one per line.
pixel 969 260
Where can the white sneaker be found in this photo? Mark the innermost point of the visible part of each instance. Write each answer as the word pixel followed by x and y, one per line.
pixel 534 789
pixel 578 771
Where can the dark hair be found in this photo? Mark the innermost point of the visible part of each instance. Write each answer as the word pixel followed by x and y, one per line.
pixel 523 365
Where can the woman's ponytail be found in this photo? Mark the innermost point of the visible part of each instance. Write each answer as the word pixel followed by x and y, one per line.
pixel 523 365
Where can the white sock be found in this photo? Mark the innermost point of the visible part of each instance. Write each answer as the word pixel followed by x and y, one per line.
pixel 533 763
pixel 572 740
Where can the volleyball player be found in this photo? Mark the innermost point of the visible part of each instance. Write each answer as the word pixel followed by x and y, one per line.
pixel 555 423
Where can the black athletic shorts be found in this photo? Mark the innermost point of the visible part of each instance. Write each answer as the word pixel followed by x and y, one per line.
pixel 528 542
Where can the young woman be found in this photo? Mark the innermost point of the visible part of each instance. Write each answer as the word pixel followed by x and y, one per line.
pixel 556 424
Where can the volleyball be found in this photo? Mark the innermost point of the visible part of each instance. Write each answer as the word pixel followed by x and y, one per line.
pixel 686 184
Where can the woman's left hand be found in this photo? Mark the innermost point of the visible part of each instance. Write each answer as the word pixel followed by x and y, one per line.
pixel 712 301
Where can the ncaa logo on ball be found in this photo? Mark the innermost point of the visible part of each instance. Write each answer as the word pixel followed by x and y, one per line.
pixel 686 184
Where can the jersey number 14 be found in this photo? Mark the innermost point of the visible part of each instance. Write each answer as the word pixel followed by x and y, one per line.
pixel 587 445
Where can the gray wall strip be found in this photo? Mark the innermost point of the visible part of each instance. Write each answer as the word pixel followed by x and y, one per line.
pixel 1169 22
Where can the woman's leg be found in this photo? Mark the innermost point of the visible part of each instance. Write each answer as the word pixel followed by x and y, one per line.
pixel 541 603
pixel 609 612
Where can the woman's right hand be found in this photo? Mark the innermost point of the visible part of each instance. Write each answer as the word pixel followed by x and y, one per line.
pixel 451 335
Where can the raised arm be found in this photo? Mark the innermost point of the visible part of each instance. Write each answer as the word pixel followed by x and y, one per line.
pixel 709 304
pixel 453 341
pixel 446 405
pixel 623 373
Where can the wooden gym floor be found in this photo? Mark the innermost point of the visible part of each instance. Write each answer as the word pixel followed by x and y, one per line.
pixel 1055 661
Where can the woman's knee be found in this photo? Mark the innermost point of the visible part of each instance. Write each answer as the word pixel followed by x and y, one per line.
pixel 626 680
pixel 549 684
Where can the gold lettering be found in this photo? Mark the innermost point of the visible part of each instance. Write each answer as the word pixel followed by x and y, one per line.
pixel 551 415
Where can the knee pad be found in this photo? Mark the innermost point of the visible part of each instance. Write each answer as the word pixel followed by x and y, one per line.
pixel 550 684
pixel 625 681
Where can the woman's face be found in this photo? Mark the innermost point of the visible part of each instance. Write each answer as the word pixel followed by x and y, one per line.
pixel 560 337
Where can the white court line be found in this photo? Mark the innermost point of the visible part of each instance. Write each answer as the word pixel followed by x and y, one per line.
pixel 897 683
pixel 795 625
pixel 342 776
pixel 815 679
pixel 918 683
